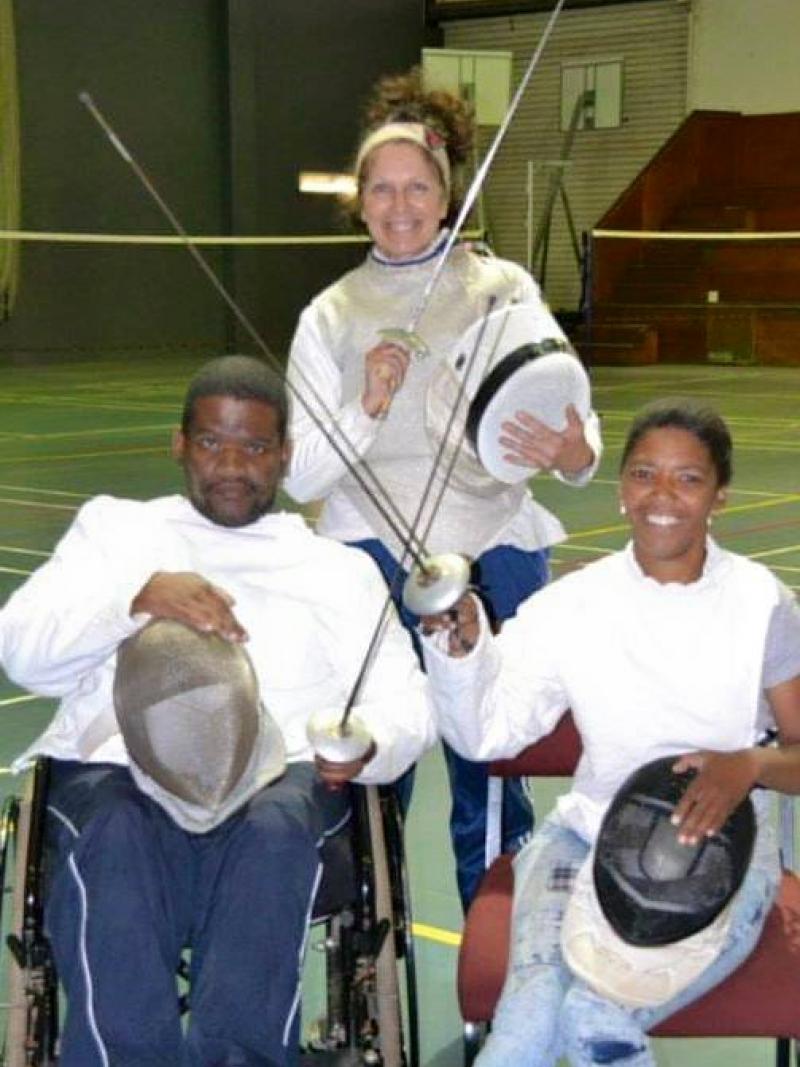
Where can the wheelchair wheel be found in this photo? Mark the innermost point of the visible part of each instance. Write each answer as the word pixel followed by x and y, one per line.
pixel 402 912
pixel 366 943
pixel 31 993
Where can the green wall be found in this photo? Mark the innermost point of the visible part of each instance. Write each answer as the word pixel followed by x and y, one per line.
pixel 222 102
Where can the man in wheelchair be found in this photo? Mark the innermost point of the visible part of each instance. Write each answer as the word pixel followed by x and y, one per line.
pixel 172 825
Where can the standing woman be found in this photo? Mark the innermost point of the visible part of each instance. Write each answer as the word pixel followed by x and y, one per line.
pixel 407 168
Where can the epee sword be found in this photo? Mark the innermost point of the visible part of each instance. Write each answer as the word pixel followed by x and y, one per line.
pixel 409 337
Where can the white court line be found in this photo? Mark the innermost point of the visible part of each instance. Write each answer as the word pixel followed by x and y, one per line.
pixel 48 400
pixel 108 453
pixel 44 492
pixel 14 570
pixel 24 698
pixel 37 504
pixel 107 431
pixel 24 551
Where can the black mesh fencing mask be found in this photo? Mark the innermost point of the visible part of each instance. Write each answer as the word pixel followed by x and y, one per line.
pixel 652 888
pixel 647 914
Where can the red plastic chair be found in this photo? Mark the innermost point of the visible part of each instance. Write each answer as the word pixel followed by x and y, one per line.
pixel 760 999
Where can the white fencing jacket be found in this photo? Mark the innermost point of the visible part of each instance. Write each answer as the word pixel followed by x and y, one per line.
pixel 648 669
pixel 309 605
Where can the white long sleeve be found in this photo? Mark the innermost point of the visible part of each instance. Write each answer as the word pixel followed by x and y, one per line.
pixel 71 614
pixel 308 604
pixel 316 466
pixel 500 698
pixel 648 670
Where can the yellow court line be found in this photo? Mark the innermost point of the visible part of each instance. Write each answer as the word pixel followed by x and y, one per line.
pixel 734 490
pixel 582 548
pixel 751 445
pixel 654 383
pixel 201 239
pixel 616 528
pixel 789 498
pixel 37 504
pixel 775 551
pixel 171 239
pixel 701 235
pixel 436 933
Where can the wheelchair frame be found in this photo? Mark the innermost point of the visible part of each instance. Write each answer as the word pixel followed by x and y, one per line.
pixel 368 931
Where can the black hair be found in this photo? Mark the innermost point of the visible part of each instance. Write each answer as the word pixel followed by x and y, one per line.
pixel 242 377
pixel 706 424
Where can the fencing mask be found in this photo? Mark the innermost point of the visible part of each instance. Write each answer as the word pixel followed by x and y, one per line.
pixel 188 708
pixel 647 913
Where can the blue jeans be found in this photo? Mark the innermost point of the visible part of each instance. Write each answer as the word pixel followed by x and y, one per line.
pixel 546 1012
pixel 505 576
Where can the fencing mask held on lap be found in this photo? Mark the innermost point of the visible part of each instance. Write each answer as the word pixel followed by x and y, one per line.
pixel 199 740
pixel 648 914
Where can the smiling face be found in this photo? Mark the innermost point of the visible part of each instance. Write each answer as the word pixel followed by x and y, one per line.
pixel 669 487
pixel 233 457
pixel 403 200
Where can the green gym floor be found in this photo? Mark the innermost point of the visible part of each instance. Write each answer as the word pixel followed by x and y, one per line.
pixel 71 430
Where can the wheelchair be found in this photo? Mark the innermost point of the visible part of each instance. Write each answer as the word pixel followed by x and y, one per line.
pixel 363 908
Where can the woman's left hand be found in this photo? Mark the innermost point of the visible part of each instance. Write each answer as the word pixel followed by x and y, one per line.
pixel 531 443
pixel 723 781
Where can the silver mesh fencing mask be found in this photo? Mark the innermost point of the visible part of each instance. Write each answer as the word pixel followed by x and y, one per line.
pixel 199 740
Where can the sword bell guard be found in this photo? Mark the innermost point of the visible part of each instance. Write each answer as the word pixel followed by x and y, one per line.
pixel 335 743
pixel 437 585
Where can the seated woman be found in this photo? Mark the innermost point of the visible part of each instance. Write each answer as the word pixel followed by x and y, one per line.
pixel 671 646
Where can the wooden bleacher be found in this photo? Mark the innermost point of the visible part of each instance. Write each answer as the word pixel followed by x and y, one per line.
pixel 672 301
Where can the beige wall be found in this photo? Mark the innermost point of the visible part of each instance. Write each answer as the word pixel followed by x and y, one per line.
pixel 745 55
pixel 651 38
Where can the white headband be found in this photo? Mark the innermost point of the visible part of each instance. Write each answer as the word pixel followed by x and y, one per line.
pixel 423 136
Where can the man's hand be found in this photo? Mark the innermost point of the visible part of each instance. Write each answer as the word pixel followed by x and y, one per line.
pixel 385 368
pixel 461 624
pixel 530 443
pixel 336 775
pixel 190 599
pixel 723 781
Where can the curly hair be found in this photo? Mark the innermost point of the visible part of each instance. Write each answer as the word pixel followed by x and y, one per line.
pixel 403 98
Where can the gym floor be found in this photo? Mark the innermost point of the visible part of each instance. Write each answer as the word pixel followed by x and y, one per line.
pixel 74 429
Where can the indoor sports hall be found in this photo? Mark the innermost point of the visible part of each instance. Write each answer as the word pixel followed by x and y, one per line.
pixel 647 179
